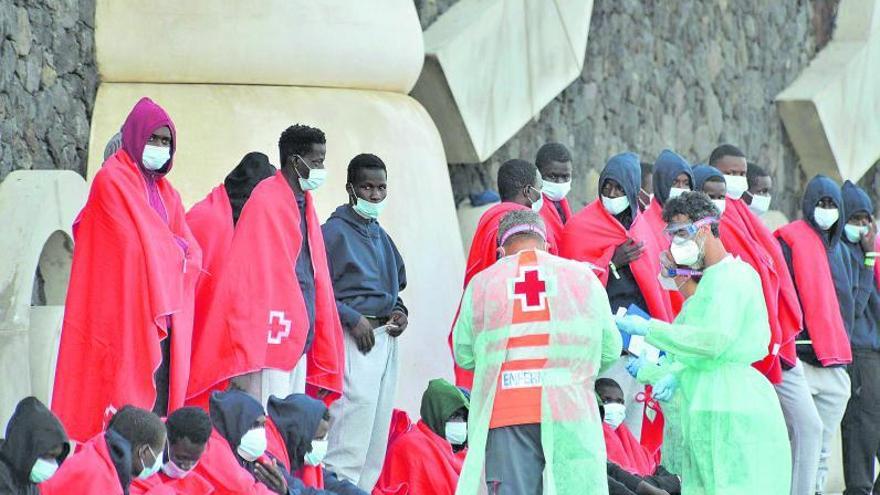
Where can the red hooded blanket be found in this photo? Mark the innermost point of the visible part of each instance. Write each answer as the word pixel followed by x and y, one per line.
pixel 553 220
pixel 593 235
pixel 419 462
pixel 821 311
pixel 220 468
pixel 90 470
pixel 264 322
pixel 744 235
pixel 160 484
pixel 134 275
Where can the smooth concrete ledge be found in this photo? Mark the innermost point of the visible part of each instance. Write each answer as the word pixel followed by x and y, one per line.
pixel 38 208
pixel 217 125
pixel 491 65
pixel 829 110
pixel 330 43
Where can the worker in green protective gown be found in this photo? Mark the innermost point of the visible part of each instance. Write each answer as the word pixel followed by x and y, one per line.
pixel 727 426
pixel 536 329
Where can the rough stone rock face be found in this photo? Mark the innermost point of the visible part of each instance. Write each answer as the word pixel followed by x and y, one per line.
pixel 48 80
pixel 686 75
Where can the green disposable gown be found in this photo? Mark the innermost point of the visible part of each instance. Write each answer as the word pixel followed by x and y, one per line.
pixel 726 432
pixel 583 340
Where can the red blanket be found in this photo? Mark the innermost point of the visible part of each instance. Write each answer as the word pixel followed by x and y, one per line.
pixel 745 236
pixel 211 223
pixel 221 469
pixel 624 450
pixel 88 471
pixel 653 216
pixel 554 222
pixel 161 484
pixel 131 272
pixel 419 462
pixel 812 274
pixel 265 324
pixel 593 235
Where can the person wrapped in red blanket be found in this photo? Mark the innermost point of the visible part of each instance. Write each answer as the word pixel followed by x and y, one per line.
pixel 128 316
pixel 428 458
pixel 519 185
pixel 131 446
pixel 279 331
pixel 188 430
pixel 213 219
pixel 611 234
pixel 554 163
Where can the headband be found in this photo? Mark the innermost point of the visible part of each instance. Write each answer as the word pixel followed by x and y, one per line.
pixel 519 229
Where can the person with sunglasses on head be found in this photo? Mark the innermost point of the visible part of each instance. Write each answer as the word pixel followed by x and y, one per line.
pixel 721 330
pixel 281 330
pixel 519 185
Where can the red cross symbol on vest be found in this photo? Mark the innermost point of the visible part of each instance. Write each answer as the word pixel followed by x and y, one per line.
pixel 279 327
pixel 530 290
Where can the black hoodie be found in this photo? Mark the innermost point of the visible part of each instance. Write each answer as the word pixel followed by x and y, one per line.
pixel 624 168
pixel 240 183
pixel 865 333
pixel 845 279
pixel 668 166
pixel 32 432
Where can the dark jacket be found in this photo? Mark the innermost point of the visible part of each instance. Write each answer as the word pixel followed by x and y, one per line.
pixel 626 171
pixel 32 432
pixel 242 180
pixel 668 166
pixel 865 334
pixel 839 261
pixel 233 413
pixel 119 450
pixel 366 269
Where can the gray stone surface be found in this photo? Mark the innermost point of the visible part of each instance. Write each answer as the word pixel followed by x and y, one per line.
pixel 686 75
pixel 48 81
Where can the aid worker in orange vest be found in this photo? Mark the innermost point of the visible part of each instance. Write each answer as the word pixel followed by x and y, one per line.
pixel 536 329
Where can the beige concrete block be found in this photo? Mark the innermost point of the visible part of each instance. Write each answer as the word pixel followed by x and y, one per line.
pixel 217 125
pixel 330 43
pixel 38 208
pixel 829 110
pixel 468 219
pixel 493 65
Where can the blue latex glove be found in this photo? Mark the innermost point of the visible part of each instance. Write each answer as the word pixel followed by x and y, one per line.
pixel 633 325
pixel 665 387
pixel 635 364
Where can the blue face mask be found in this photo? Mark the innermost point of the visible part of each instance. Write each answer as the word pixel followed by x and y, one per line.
pixel 150 470
pixel 368 209
pixel 316 177
pixel 43 470
pixel 155 157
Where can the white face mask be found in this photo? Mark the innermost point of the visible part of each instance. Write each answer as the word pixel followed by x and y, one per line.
pixel 556 191
pixel 537 205
pixel 172 470
pixel 760 204
pixel 614 414
pixel 148 471
pixel 319 451
pixel 736 185
pixel 721 204
pixel 155 157
pixel 615 205
pixel 43 470
pixel 252 444
pixel 676 192
pixel 456 432
pixel 854 233
pixel 685 251
pixel 667 283
pixel 826 217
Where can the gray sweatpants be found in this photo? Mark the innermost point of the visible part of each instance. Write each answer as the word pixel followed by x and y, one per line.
pixel 515 460
pixel 830 388
pixel 361 418
pixel 804 429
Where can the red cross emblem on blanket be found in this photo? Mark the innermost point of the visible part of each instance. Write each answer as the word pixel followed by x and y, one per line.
pixel 530 290
pixel 279 327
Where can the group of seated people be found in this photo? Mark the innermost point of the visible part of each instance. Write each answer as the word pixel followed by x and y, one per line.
pixel 240 448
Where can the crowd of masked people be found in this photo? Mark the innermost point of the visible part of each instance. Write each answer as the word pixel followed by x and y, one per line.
pixel 244 347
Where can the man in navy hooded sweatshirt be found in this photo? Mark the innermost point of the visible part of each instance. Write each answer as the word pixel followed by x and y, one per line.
pixel 368 274
pixel 861 435
pixel 827 285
